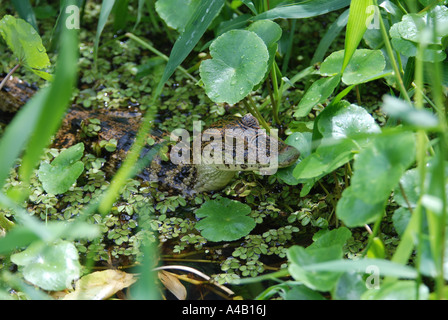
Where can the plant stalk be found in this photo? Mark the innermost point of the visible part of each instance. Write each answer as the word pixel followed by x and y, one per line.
pixel 9 75
pixel 391 55
pixel 252 108
pixel 157 52
pixel 275 99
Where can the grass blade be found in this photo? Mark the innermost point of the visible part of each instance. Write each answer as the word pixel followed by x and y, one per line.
pixel 332 32
pixel 195 28
pixel 25 11
pixel 106 9
pixel 358 20
pixel 385 267
pixel 250 5
pixel 306 9
pixel 55 102
pixel 18 133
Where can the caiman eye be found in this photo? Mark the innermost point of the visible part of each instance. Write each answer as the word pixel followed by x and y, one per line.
pixel 250 121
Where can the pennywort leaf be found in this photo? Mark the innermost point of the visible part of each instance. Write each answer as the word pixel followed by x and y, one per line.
pixel 239 62
pixel 224 220
pixel 50 267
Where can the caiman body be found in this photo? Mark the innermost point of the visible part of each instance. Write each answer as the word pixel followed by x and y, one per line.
pixel 188 177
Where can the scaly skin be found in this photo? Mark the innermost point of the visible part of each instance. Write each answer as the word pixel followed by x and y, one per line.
pixel 187 178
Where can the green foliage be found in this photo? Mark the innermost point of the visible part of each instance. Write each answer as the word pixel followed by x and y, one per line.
pixel 358 21
pixel 365 65
pixel 63 171
pixel 303 10
pixel 240 60
pixel 416 28
pixel 408 115
pixel 340 126
pixel 399 290
pixel 357 166
pixel 377 171
pixel 51 267
pixel 176 13
pixel 325 248
pixel 26 45
pixel 224 220
pixel 319 91
pixel 106 9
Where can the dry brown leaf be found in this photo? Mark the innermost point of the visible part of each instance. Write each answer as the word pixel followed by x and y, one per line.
pixel 101 285
pixel 172 283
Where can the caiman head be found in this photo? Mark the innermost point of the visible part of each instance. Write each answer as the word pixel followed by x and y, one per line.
pixel 239 144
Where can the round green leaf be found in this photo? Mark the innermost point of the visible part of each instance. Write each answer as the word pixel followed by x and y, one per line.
pixel 334 124
pixel 300 257
pixel 50 267
pixel 364 66
pixel 24 42
pixel 270 32
pixel 410 26
pixel 224 220
pixel 409 32
pixel 176 13
pixel 343 120
pixel 301 141
pixel 239 62
pixel 400 219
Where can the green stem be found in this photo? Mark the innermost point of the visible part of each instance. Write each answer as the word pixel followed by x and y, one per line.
pixel 252 108
pixel 289 49
pixel 270 276
pixel 376 228
pixel 271 96
pixel 266 5
pixel 391 55
pixel 276 99
pixel 421 159
pixel 286 85
pixel 9 75
pixel 439 221
pixel 157 52
pixel 401 7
